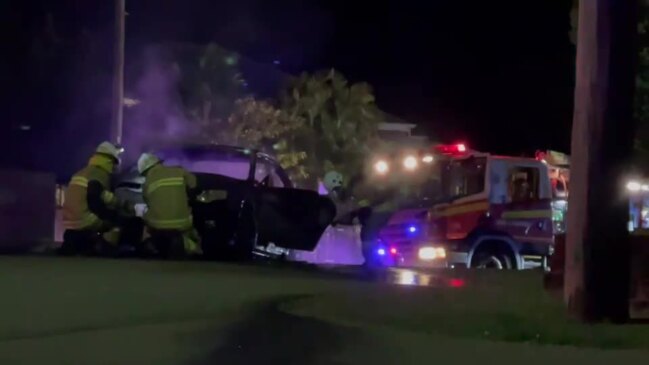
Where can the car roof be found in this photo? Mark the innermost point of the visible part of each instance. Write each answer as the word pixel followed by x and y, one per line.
pixel 199 150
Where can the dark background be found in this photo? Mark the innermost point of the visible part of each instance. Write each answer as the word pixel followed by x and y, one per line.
pixel 498 75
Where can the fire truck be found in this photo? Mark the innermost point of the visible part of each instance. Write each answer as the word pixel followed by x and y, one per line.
pixel 488 211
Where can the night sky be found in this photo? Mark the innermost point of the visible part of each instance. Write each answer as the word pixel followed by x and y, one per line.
pixel 495 74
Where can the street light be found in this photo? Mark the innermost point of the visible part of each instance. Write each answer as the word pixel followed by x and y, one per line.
pixel 118 75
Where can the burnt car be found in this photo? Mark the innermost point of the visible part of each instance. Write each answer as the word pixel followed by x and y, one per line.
pixel 263 212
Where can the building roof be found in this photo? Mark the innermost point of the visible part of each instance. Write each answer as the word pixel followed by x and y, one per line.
pixel 397 127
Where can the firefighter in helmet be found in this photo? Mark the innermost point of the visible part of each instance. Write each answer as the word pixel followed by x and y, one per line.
pixel 334 184
pixel 379 199
pixel 90 210
pixel 166 192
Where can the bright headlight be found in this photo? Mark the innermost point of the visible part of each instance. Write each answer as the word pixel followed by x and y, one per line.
pixel 432 253
pixel 410 163
pixel 633 186
pixel 381 167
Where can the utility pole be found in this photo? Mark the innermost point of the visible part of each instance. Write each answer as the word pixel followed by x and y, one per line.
pixel 118 72
pixel 597 247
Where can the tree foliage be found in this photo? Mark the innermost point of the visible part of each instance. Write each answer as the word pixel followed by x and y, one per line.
pixel 340 122
pixel 260 125
pixel 209 86
pixel 323 122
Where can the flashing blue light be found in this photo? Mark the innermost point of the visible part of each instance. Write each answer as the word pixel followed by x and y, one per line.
pixel 381 251
pixel 412 229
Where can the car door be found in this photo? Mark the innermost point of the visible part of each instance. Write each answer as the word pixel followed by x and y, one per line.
pixel 288 217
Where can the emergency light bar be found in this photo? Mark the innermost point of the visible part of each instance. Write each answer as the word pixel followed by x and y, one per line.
pixel 451 149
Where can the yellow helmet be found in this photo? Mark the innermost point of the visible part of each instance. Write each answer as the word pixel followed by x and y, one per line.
pixel 109 149
pixel 146 161
pixel 332 180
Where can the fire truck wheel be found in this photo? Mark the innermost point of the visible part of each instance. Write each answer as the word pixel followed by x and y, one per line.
pixel 492 260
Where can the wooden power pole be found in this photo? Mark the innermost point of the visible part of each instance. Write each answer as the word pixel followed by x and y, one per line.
pixel 597 248
pixel 118 72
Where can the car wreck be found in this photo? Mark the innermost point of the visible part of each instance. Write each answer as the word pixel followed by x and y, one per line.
pixel 245 203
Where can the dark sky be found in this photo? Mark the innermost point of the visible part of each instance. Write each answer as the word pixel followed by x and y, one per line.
pixel 496 74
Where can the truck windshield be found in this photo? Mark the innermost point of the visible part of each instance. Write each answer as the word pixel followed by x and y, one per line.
pixel 463 177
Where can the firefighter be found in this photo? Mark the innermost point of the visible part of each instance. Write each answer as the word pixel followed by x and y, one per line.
pixel 346 205
pixel 90 209
pixel 168 217
pixel 333 183
pixel 375 211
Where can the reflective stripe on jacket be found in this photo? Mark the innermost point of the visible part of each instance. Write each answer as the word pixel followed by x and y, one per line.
pixel 76 214
pixel 165 192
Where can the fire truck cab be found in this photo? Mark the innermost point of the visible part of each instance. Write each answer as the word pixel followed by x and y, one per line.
pixel 490 212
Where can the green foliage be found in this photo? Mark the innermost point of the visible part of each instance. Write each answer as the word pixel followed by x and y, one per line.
pixel 324 122
pixel 341 122
pixel 260 125
pixel 209 86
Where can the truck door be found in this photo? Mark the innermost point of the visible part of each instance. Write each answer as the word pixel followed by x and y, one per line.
pixel 527 215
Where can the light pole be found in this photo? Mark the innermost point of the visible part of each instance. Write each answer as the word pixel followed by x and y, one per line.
pixel 118 72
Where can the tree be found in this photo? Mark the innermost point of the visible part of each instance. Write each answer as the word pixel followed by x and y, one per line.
pixel 209 86
pixel 597 247
pixel 260 125
pixel 641 104
pixel 341 122
pixel 641 110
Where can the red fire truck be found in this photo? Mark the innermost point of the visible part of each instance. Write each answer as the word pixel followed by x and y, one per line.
pixel 489 212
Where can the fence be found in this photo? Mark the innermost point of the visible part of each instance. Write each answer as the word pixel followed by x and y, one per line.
pixel 27 209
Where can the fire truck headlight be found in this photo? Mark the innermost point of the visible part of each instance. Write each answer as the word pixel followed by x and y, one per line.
pixel 427 159
pixel 633 186
pixel 410 163
pixel 431 253
pixel 381 167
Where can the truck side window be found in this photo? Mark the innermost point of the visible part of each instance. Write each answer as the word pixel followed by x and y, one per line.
pixel 523 184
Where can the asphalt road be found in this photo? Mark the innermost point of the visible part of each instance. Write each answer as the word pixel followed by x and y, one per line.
pixel 93 311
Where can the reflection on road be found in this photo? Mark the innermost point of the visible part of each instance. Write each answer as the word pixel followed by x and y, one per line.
pixel 420 278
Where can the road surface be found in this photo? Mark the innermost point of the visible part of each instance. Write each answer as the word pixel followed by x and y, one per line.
pixel 94 311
